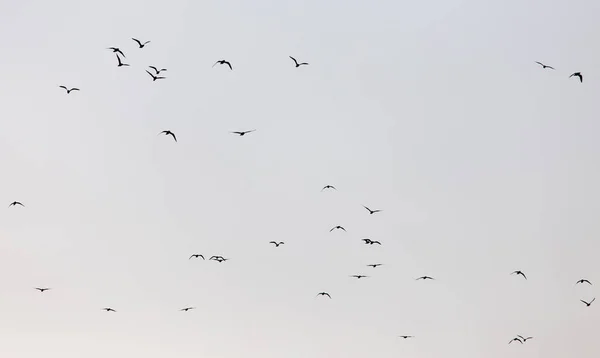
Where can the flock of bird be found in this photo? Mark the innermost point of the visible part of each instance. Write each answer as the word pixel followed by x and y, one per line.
pixel 156 75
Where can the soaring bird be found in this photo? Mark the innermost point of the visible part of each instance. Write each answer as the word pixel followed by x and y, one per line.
pixel 371 242
pixel 405 337
pixel 140 44
pixel 589 303
pixel 42 289
pixel 69 90
pixel 577 74
pixel 358 276
pixel 374 265
pixel 523 338
pixel 337 228
pixel 323 294
pixel 241 134
pixel 371 211
pixel 108 309
pixel 425 278
pixel 187 309
pixel 117 50
pixel 298 64
pixel 196 256
pixel 15 203
pixel 544 66
pixel 157 70
pixel 167 132
pixel 277 243
pixel 515 339
pixel 223 62
pixel 154 78
pixel 519 273
pixel 328 187
pixel 582 281
pixel 121 63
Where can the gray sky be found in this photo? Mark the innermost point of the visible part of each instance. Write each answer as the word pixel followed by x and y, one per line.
pixel 433 111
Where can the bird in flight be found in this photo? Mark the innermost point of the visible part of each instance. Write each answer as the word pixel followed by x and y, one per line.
pixel 523 338
pixel 42 289
pixel 277 243
pixel 371 242
pixel 323 294
pixel 371 211
pixel 121 63
pixel 374 265
pixel 328 187
pixel 358 276
pixel 515 339
pixel 425 278
pixel 117 50
pixel 367 241
pixel 69 90
pixel 108 309
pixel 519 273
pixel 589 303
pixel 155 77
pixel 298 64
pixel 544 66
pixel 583 280
pixel 577 74
pixel 140 43
pixel 15 203
pixel 337 228
pixel 187 309
pixel 241 134
pixel 196 256
pixel 223 62
pixel 157 70
pixel 169 133
pixel 405 337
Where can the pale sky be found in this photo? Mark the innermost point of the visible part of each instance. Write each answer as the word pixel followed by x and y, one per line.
pixel 435 112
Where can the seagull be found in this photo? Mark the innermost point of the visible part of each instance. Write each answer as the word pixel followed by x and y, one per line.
pixel 241 134
pixel 374 265
pixel 157 70
pixel 405 337
pixel 323 294
pixel 577 74
pixel 582 281
pixel 196 256
pixel 425 278
pixel 69 90
pixel 371 242
pixel 328 187
pixel 42 289
pixel 116 50
pixel 544 66
pixel 371 211
pixel 337 227
pixel 154 78
pixel 589 303
pixel 359 276
pixel 215 258
pixel 169 133
pixel 15 203
pixel 108 309
pixel 519 273
pixel 223 62
pixel 298 64
pixel 139 43
pixel 277 243
pixel 515 339
pixel 187 309
pixel 121 63
pixel 523 338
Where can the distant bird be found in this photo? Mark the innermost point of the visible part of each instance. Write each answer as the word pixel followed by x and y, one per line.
pixel 544 66
pixel 337 228
pixel 515 339
pixel 108 309
pixel 577 74
pixel 167 132
pixel 405 337
pixel 42 289
pixel 519 273
pixel 140 43
pixel 154 78
pixel 425 278
pixel 157 70
pixel 223 62
pixel 582 281
pixel 374 265
pixel 371 211
pixel 589 303
pixel 69 90
pixel 328 187
pixel 215 257
pixel 298 64
pixel 323 294
pixel 117 50
pixel 523 338
pixel 371 242
pixel 196 256
pixel 187 309
pixel 121 63
pixel 241 134
pixel 358 276
pixel 277 243
pixel 15 203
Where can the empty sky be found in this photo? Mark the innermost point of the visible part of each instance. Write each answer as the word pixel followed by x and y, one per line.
pixel 433 111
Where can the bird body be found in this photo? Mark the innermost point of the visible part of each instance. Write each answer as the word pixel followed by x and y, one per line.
pixel 223 62
pixel 337 228
pixel 583 280
pixel 15 203
pixel 577 74
pixel 277 243
pixel 42 289
pixel 167 132
pixel 323 294
pixel 298 64
pixel 328 187
pixel 405 337
pixel 588 304
pixel 140 44
pixel 242 133
pixel 69 90
pixel 374 265
pixel 371 211
pixel 187 309
pixel 517 272
pixel 196 256
pixel 358 276
pixel 544 66
pixel 108 309
pixel 425 278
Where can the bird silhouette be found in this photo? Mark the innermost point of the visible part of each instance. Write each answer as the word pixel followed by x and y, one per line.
pixel 425 278
pixel 405 337
pixel 298 64
pixel 374 265
pixel 154 78
pixel 583 280
pixel 323 294
pixel 367 241
pixel 519 273
pixel 515 339
pixel 577 74
pixel 196 256
pixel 358 276
pixel 42 289
pixel 157 70
pixel 108 309
pixel 589 303
pixel 371 242
pixel 69 90
pixel 117 50
pixel 223 62
pixel 523 338
pixel 120 62
pixel 215 257
pixel 241 134
pixel 328 187
pixel 187 309
pixel 337 228
pixel 140 44
pixel 277 243
pixel 371 211
pixel 15 203
pixel 544 66
pixel 167 132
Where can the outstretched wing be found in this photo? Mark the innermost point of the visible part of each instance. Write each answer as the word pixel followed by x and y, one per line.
pixel 138 41
pixel 229 64
pixel 296 62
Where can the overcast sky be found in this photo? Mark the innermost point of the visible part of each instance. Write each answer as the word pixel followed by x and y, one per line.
pixel 434 111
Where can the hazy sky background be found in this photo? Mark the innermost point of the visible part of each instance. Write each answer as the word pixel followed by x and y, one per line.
pixel 433 111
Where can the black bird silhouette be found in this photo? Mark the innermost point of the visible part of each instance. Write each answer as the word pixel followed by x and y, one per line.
pixel 589 303
pixel 154 78
pixel 157 70
pixel 544 66
pixel 215 257
pixel 187 309
pixel 328 187
pixel 117 50
pixel 519 273
pixel 367 241
pixel 515 339
pixel 523 338
pixel 241 134
pixel 277 243
pixel 69 90
pixel 298 64
pixel 323 294
pixel 337 228
pixel 167 132
pixel 140 43
pixel 121 63
pixel 358 276
pixel 196 256
pixel 583 280
pixel 108 309
pixel 371 211
pixel 15 203
pixel 577 74
pixel 374 265
pixel 425 278
pixel 42 289
pixel 371 242
pixel 405 337
pixel 223 62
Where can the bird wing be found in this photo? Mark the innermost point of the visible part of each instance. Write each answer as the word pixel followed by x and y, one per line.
pixel 296 62
pixel 74 89
pixel 63 87
pixel 593 299
pixel 327 294
pixel 240 133
pixel 341 228
pixel 154 68
pixel 367 208
pixel 550 67
pixel 121 52
pixel 584 302
pixel 173 135
pixel 522 274
pixel 147 42
pixel 160 78
pixel 229 64
pixel 303 63
pixel 136 40
pixel 272 242
pixel 539 63
pixel 148 72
